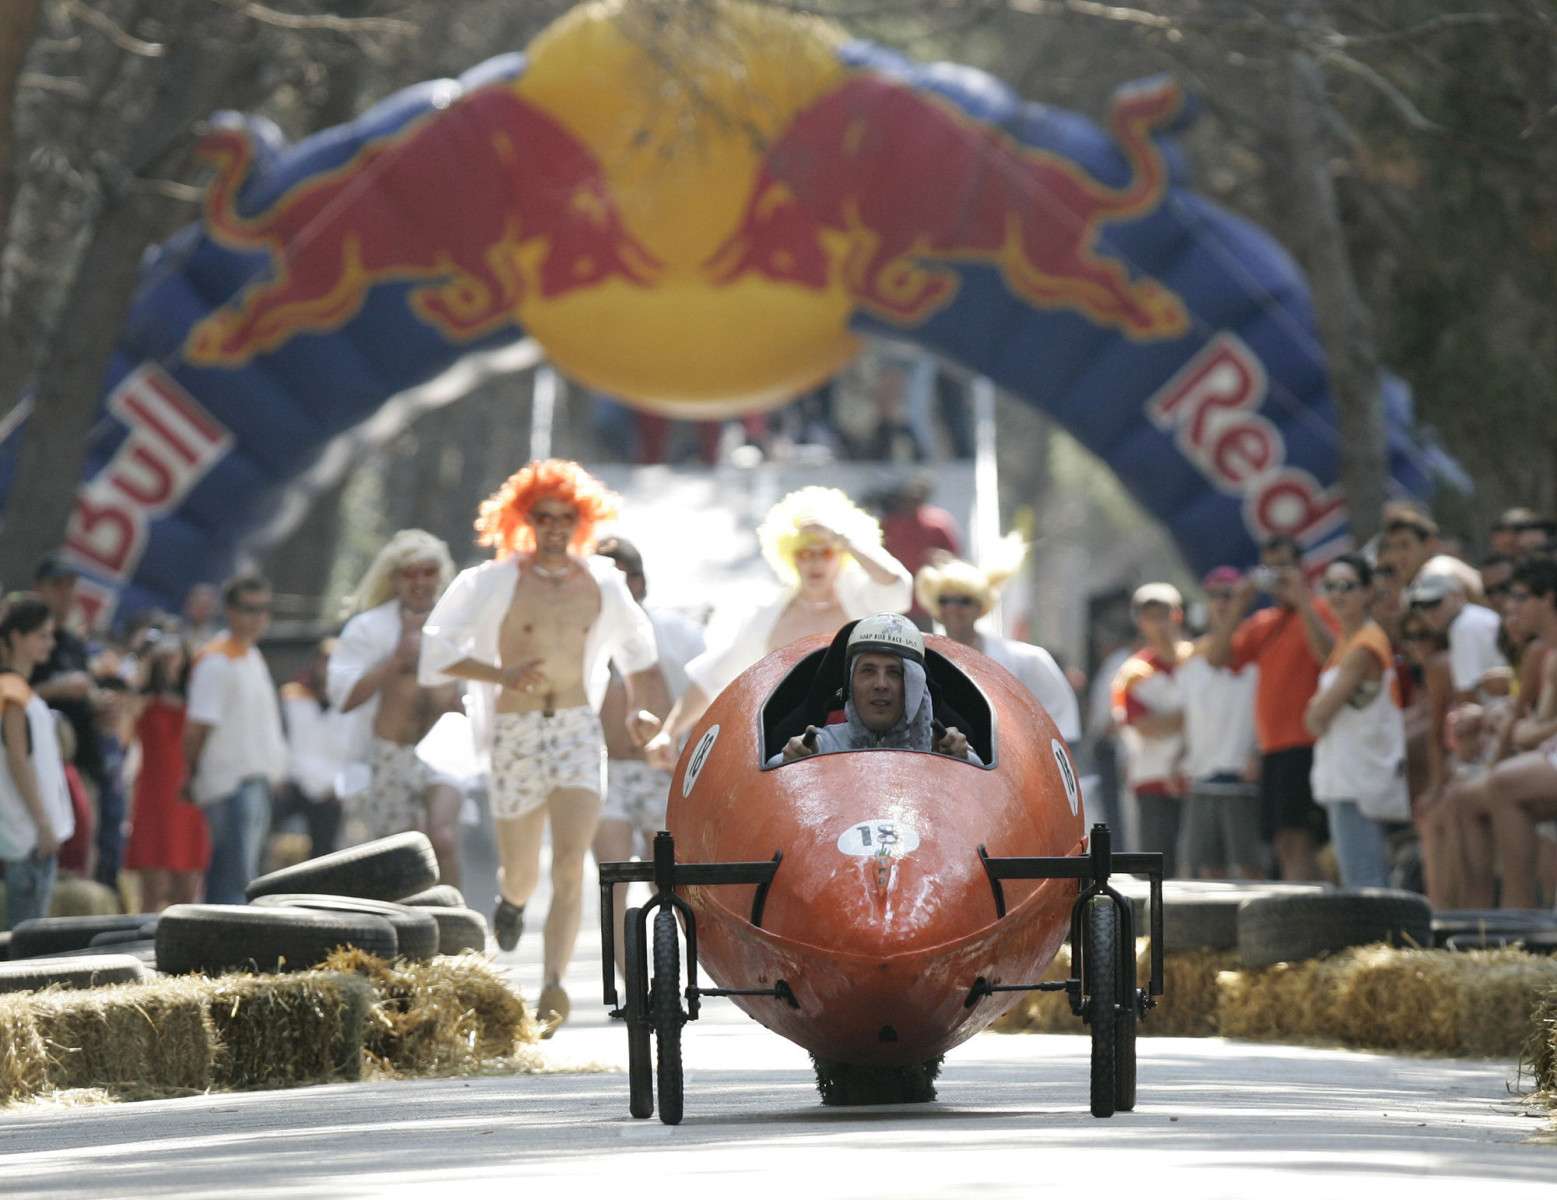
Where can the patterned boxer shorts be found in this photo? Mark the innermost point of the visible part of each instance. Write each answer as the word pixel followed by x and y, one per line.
pixel 636 793
pixel 534 754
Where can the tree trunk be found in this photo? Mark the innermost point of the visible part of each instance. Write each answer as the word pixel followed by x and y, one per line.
pixel 18 20
pixel 1345 327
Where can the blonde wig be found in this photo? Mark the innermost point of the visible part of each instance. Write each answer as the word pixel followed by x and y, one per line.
pixel 406 547
pixel 964 579
pixel 785 529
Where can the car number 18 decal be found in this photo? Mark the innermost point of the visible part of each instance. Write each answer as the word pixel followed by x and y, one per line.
pixel 699 757
pixel 878 836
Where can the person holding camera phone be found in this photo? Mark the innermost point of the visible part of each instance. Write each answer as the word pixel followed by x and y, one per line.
pixel 1288 641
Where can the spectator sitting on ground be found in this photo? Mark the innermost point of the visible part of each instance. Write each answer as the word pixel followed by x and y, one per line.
pixel 1427 654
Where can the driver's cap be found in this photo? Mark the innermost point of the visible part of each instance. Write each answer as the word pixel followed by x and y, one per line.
pixel 890 633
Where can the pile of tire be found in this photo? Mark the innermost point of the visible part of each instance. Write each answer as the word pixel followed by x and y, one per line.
pixel 1268 923
pixel 382 897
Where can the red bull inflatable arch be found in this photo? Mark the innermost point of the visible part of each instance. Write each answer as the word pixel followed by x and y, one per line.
pixel 703 238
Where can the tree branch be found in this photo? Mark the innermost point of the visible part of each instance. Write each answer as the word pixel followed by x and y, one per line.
pixel 106 26
pixel 1402 104
pixel 322 22
pixel 73 88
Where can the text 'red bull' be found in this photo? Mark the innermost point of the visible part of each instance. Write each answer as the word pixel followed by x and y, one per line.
pixel 1211 408
pixel 450 200
pixel 912 183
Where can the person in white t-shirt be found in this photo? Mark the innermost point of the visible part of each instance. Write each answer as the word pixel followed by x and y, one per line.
pixel 1476 664
pixel 233 741
pixel 958 595
pixel 1220 834
pixel 35 813
pixel 636 791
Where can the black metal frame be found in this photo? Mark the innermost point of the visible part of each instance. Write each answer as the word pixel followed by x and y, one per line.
pixel 666 874
pixel 1095 869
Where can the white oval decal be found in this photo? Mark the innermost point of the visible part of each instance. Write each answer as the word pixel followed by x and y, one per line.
pixel 879 836
pixel 699 758
pixel 1072 792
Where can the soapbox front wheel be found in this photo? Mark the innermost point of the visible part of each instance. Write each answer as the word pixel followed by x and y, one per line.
pixel 666 1013
pixel 1100 964
pixel 1124 1054
pixel 640 1073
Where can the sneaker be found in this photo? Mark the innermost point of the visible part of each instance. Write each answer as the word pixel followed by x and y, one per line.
pixel 552 1008
pixel 507 924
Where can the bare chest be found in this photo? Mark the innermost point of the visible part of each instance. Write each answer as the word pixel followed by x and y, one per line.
pixel 800 619
pixel 550 618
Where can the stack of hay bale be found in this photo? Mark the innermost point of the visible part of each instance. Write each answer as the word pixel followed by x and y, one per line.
pixel 337 964
pixel 1306 963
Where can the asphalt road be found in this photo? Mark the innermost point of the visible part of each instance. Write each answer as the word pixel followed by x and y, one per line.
pixel 1216 1118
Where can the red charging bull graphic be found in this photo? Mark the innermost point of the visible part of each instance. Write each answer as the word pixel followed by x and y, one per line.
pixel 475 188
pixel 911 183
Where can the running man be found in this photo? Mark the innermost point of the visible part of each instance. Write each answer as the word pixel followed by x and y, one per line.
pixel 535 632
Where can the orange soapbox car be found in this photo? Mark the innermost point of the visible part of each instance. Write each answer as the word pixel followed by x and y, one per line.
pixel 876 907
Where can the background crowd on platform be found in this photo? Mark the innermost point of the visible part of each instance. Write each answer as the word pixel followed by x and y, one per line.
pixel 1391 719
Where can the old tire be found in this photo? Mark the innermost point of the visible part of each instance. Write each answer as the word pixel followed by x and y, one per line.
pixel 73 971
pixel 144 949
pixel 440 895
pixel 147 931
pixel 416 930
pixel 5 946
pixel 459 930
pixel 378 870
pixel 665 1008
pixel 1290 928
pixel 54 935
pixel 1100 967
pixel 640 1071
pixel 213 938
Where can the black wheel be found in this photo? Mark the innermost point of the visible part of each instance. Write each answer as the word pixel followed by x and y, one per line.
pixel 1100 966
pixel 640 1073
pixel 212 938
pixel 665 1007
pixel 416 930
pixel 384 869
pixel 1124 1054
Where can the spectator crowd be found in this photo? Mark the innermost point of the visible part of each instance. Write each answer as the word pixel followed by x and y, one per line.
pixel 1386 717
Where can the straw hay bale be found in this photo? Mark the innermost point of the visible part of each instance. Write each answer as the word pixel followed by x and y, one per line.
pixel 444 1016
pixel 74 897
pixel 1187 1007
pixel 1540 1049
pixel 288 1030
pixel 149 1035
pixel 1287 1002
pixel 24 1063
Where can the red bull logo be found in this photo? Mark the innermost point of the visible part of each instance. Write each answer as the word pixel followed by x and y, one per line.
pixel 907 186
pixel 481 205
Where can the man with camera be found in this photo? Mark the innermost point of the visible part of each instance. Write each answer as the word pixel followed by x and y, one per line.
pixel 1289 642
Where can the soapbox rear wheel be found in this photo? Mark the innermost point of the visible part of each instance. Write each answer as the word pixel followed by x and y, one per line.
pixel 1100 964
pixel 665 1010
pixel 640 1074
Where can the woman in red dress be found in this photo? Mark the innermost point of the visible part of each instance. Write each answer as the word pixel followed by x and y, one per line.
pixel 169 842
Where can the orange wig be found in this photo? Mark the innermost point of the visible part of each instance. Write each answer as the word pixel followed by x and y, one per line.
pixel 502 521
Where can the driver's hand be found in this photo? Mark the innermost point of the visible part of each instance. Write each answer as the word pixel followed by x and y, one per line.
pixel 953 742
pixel 660 752
pixel 798 747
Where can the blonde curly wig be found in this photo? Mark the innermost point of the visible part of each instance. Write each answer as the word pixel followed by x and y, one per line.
pixel 983 583
pixel 408 546
pixel 783 530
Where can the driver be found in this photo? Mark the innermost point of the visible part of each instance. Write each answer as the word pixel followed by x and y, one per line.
pixel 888 705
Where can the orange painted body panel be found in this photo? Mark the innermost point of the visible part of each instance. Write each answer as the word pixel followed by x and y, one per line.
pixel 877 947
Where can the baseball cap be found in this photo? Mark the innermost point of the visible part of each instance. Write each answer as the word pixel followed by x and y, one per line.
pixel 1156 593
pixel 54 566
pixel 1430 589
pixel 889 633
pixel 1222 577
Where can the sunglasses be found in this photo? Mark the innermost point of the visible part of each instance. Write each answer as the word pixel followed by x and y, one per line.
pixel 815 554
pixel 557 518
pixel 1417 635
pixel 964 601
pixel 1340 587
pixel 1425 605
pixel 427 572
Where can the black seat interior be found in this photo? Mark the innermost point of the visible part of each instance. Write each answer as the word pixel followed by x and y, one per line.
pixel 814 688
